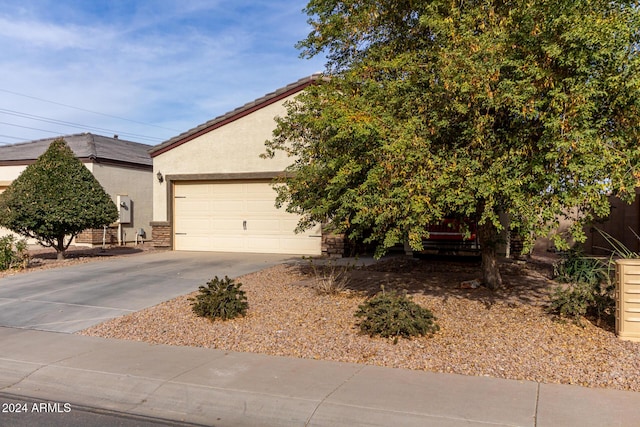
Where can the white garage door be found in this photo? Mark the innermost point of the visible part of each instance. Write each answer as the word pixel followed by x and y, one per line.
pixel 236 217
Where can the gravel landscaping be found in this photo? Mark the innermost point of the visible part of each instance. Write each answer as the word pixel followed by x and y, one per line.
pixel 505 334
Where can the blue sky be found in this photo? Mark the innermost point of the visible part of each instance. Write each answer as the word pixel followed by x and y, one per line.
pixel 151 68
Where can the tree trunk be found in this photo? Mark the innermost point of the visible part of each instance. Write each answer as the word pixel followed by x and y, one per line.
pixel 488 239
pixel 60 248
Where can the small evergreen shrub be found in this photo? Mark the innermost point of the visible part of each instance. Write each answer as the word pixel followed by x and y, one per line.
pixel 221 299
pixel 13 253
pixel 572 300
pixel 390 314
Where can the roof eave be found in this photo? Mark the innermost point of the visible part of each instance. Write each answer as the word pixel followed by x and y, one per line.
pixel 225 119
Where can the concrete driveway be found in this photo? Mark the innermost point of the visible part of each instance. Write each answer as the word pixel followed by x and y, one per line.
pixel 69 299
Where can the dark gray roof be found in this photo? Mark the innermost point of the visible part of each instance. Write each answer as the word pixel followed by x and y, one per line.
pixel 85 146
pixel 239 112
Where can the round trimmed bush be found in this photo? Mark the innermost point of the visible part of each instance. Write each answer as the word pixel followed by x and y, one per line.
pixel 220 299
pixel 390 314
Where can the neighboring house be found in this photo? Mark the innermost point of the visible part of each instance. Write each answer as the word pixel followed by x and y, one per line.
pixel 123 168
pixel 212 191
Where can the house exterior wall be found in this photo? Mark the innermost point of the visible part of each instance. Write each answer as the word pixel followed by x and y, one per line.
pixel 9 173
pixel 234 148
pixel 132 182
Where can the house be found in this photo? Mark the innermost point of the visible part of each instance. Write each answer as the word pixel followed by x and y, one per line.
pixel 212 190
pixel 123 168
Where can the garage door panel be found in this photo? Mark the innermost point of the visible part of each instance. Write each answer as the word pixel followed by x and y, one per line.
pixel 229 206
pixel 197 225
pixel 265 244
pixel 210 216
pixel 226 226
pixel 229 189
pixel 230 243
pixel 192 206
pixel 192 191
pixel 263 226
pixel 262 206
pixel 183 242
pixel 290 224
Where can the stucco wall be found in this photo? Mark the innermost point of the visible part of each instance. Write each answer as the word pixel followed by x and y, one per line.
pixel 135 183
pixel 623 224
pixel 9 173
pixel 232 148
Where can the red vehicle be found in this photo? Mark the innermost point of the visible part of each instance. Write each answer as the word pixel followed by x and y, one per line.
pixel 450 237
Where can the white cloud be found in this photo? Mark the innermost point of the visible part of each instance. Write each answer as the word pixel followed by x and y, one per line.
pixel 173 64
pixel 34 34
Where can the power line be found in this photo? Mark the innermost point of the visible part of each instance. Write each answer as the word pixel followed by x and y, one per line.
pixel 28 127
pixel 75 125
pixel 86 110
pixel 11 137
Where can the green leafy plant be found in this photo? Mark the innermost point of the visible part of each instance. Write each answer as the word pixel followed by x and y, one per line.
pixel 54 199
pixel 391 314
pixel 330 278
pixel 13 253
pixel 575 267
pixel 572 300
pixel 430 109
pixel 588 288
pixel 617 248
pixel 221 299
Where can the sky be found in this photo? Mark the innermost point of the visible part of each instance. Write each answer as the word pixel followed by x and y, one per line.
pixel 146 70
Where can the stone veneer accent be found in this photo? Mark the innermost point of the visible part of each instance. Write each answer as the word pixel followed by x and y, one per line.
pixel 516 246
pixel 93 236
pixel 333 245
pixel 161 234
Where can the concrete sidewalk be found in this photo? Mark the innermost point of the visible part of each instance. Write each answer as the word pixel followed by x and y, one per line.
pixel 213 387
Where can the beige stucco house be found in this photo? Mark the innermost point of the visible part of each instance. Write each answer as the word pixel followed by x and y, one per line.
pixel 123 168
pixel 211 189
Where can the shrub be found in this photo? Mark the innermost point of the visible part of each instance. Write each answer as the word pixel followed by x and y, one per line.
pixel 13 253
pixel 220 299
pixel 573 300
pixel 330 278
pixel 390 314
pixel 577 268
pixel 588 290
pixel 54 199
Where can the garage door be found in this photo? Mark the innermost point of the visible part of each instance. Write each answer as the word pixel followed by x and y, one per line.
pixel 236 216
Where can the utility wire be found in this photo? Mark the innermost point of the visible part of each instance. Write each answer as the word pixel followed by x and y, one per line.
pixel 28 127
pixel 75 125
pixel 84 109
pixel 11 137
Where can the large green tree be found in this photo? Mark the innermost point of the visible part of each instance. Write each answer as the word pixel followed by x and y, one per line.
pixel 54 199
pixel 478 108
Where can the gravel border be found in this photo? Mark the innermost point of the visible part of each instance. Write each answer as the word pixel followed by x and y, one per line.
pixel 507 334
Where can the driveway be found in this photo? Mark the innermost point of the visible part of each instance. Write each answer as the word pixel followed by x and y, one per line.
pixel 69 299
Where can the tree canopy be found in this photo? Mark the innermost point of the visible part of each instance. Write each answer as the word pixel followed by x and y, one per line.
pixel 475 108
pixel 54 199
